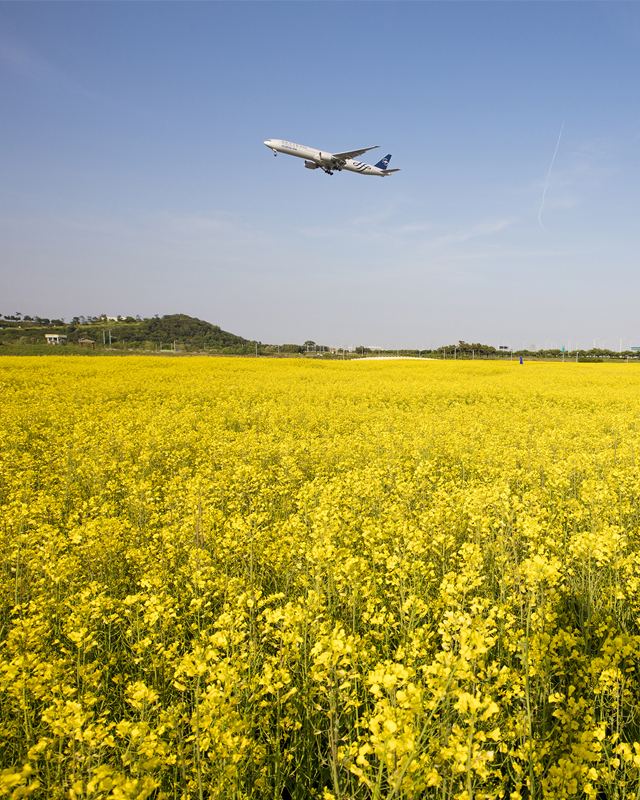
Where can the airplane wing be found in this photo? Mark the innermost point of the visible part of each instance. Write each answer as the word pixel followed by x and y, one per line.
pixel 352 153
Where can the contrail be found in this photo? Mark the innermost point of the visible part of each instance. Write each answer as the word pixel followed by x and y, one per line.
pixel 548 176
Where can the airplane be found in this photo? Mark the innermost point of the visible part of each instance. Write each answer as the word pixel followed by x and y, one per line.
pixel 332 162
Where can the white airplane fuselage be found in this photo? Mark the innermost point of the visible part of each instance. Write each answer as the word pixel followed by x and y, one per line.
pixel 324 160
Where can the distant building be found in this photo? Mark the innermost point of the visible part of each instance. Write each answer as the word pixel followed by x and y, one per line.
pixel 55 338
pixel 87 342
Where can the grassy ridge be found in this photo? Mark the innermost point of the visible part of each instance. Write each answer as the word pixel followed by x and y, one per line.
pixel 149 334
pixel 234 578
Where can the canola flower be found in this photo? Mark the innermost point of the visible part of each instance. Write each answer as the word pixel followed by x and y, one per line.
pixel 282 579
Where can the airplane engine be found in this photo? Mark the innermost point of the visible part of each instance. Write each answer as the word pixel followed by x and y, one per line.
pixel 327 158
pixel 310 165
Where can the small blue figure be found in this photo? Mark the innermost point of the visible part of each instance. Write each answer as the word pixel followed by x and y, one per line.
pixel 521 359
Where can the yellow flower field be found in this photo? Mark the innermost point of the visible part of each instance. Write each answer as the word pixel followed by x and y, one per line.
pixel 229 578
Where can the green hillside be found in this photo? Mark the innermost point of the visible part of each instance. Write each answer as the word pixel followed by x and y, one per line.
pixel 154 333
pixel 188 331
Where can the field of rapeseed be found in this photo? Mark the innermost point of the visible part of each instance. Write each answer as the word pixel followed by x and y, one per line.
pixel 266 579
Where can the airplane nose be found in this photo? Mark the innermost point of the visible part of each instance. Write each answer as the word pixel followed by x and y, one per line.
pixel 268 142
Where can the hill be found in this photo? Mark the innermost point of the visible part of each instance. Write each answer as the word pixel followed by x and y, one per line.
pixel 187 330
pixel 127 333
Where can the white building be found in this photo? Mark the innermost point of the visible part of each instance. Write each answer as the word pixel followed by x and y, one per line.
pixel 55 338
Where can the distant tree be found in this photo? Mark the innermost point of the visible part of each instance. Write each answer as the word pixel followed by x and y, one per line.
pixel 464 349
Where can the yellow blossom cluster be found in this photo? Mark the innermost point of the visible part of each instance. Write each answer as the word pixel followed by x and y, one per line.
pixel 234 578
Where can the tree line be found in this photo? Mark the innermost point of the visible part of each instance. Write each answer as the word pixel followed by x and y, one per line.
pixel 190 333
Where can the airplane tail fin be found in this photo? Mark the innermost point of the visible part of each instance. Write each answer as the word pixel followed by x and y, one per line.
pixel 384 163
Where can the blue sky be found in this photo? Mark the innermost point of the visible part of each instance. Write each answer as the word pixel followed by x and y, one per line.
pixel 133 178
